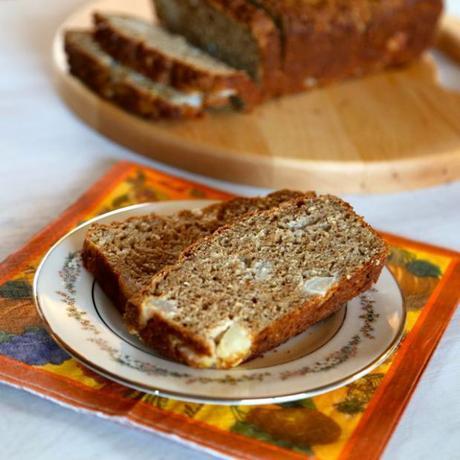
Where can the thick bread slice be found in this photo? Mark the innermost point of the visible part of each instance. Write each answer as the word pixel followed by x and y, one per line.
pixel 171 60
pixel 254 284
pixel 127 88
pixel 123 256
pixel 237 32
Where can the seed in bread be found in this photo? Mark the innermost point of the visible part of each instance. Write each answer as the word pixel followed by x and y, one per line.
pixel 254 284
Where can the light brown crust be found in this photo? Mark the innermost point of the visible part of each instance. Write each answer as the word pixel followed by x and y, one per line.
pixel 110 280
pixel 158 66
pixel 279 331
pixel 97 75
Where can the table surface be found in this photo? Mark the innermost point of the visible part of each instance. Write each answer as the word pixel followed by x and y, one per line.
pixel 51 156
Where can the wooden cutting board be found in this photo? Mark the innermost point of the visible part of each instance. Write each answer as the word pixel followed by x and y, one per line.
pixel 393 131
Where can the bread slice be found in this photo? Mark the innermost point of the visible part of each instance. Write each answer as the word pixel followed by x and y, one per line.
pixel 127 88
pixel 170 59
pixel 236 32
pixel 254 284
pixel 123 256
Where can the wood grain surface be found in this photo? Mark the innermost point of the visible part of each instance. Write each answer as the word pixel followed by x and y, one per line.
pixel 392 131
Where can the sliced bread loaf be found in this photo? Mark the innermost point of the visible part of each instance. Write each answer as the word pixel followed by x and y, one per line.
pixel 312 42
pixel 123 256
pixel 127 88
pixel 169 59
pixel 236 32
pixel 254 284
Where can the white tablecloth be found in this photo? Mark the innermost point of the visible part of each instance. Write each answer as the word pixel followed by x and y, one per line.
pixel 48 157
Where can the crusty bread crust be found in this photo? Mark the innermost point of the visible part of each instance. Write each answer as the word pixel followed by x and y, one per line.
pixel 111 282
pixel 158 330
pixel 97 75
pixel 161 67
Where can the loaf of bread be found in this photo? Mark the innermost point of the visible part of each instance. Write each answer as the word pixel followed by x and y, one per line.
pixel 321 41
pixel 123 256
pixel 127 88
pixel 253 284
pixel 169 59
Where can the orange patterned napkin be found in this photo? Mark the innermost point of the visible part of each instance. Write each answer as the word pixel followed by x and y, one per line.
pixel 353 422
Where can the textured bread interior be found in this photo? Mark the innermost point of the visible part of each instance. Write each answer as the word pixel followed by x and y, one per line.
pixel 170 44
pixel 83 42
pixel 230 287
pixel 213 30
pixel 124 256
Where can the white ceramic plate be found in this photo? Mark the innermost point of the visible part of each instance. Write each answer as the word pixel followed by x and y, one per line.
pixel 330 354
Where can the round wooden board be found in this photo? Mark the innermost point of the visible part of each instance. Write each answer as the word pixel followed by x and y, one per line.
pixel 393 131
